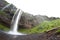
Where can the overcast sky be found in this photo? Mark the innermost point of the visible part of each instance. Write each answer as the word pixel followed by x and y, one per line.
pixel 42 7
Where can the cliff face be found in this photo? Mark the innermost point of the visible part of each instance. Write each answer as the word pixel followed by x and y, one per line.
pixel 7 14
pixel 2 3
pixel 27 20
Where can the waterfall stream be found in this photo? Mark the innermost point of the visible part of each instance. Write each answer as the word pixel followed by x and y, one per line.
pixel 15 20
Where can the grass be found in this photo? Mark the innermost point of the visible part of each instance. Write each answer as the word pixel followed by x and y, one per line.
pixel 43 27
pixel 4 28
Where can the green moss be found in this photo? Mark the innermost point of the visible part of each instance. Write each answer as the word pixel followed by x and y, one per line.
pixel 58 31
pixel 4 28
pixel 2 13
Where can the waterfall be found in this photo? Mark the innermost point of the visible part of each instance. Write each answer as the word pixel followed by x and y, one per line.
pixel 14 23
pixel 15 20
pixel 5 6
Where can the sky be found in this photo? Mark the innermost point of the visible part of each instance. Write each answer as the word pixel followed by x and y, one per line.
pixel 50 8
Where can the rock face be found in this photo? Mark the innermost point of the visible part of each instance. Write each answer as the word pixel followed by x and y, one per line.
pixel 50 35
pixel 3 3
pixel 27 20
pixel 6 17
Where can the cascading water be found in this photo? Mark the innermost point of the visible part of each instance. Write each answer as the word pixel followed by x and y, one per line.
pixel 5 6
pixel 14 23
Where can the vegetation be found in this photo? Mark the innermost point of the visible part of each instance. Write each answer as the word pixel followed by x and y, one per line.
pixel 4 28
pixel 43 27
pixel 2 13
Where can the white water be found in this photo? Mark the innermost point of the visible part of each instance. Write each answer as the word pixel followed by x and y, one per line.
pixel 15 20
pixel 14 23
pixel 5 6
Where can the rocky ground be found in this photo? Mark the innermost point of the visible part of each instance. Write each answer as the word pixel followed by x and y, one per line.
pixel 50 35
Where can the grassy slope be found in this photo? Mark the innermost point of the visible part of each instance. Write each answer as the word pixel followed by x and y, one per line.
pixel 43 27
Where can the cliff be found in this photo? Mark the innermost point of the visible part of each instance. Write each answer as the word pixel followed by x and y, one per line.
pixel 27 20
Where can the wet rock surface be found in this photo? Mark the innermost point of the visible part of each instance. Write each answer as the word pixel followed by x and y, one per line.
pixel 50 35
